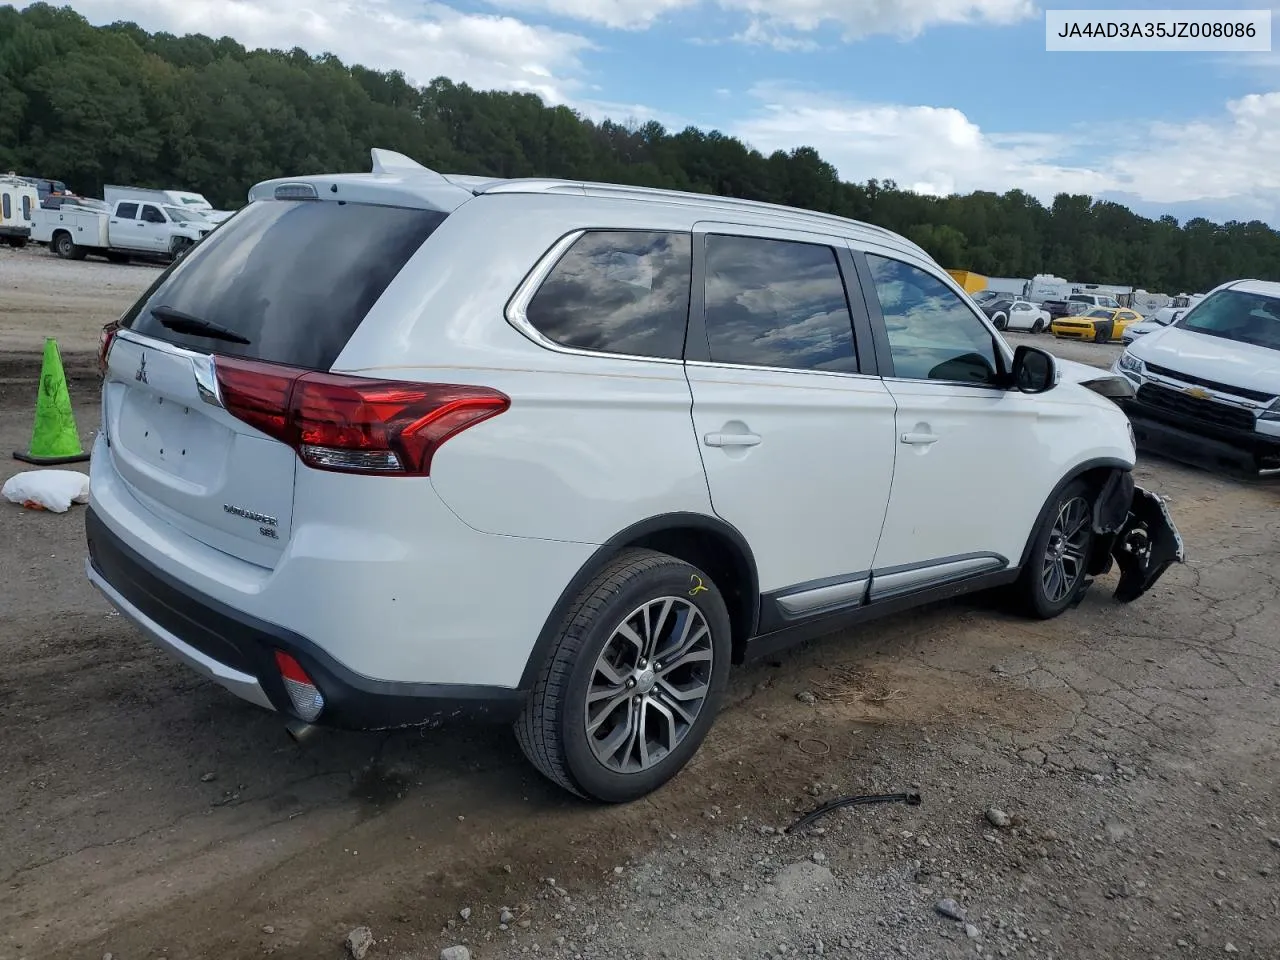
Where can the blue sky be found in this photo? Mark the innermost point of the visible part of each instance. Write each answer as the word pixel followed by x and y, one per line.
pixel 939 95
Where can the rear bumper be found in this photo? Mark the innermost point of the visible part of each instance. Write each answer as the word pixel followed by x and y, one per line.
pixel 237 651
pixel 21 233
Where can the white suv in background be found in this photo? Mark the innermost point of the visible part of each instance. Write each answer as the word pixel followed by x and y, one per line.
pixel 388 448
pixel 1208 383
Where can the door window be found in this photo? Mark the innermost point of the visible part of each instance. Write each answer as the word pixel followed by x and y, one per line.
pixel 616 291
pixel 152 214
pixel 6 209
pixel 777 303
pixel 932 334
pixel 127 211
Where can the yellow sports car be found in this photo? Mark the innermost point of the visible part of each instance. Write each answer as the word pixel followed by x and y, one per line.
pixel 1100 325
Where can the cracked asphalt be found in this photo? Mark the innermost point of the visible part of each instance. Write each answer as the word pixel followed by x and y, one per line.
pixel 1133 750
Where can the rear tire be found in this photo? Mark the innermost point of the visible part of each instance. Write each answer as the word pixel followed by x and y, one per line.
pixel 1000 321
pixel 66 248
pixel 580 725
pixel 1056 569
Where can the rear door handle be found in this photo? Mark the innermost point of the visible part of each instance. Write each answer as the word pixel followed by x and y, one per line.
pixel 920 439
pixel 731 439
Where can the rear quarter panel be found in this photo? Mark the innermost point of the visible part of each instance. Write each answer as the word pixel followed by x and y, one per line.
pixel 590 444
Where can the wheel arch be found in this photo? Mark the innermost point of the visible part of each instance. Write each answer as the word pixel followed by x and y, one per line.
pixel 707 542
pixel 1095 472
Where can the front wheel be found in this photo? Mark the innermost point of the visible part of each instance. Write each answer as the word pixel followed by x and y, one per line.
pixel 1057 566
pixel 180 247
pixel 634 681
pixel 1038 327
pixel 1000 321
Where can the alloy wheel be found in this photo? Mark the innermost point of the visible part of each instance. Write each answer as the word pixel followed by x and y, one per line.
pixel 649 685
pixel 1064 558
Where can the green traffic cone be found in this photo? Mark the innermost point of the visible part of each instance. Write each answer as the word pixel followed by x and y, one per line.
pixel 54 437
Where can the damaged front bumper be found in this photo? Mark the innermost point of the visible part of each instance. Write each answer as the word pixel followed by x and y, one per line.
pixel 1133 530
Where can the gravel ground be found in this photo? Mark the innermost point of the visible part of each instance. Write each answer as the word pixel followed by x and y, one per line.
pixel 1129 753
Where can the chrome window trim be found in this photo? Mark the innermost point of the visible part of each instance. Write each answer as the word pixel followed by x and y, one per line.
pixel 517 309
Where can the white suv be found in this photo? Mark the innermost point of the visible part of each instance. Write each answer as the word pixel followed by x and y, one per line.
pixel 389 448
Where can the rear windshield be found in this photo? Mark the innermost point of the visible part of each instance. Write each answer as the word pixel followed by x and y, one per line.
pixel 293 277
pixel 1236 315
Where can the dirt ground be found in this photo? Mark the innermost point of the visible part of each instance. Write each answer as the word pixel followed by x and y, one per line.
pixel 1131 751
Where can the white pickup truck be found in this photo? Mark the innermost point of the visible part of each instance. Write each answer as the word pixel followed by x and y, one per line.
pixel 129 229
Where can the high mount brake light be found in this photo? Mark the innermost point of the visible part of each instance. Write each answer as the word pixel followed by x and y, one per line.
pixel 353 424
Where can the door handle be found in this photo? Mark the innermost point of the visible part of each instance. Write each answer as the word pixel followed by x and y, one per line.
pixel 920 439
pixel 731 439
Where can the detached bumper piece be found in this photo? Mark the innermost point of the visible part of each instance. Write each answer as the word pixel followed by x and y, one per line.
pixel 1137 533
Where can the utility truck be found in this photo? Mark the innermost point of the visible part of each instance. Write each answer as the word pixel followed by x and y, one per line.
pixel 127 229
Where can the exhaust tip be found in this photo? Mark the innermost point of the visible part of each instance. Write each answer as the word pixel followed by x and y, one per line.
pixel 300 731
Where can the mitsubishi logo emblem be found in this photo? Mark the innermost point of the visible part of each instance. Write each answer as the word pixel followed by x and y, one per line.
pixel 141 375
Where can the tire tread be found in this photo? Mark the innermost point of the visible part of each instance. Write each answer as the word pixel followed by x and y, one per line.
pixel 537 730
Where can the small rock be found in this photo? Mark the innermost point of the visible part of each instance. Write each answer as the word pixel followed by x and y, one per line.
pixel 1117 832
pixel 209 778
pixel 819 857
pixel 617 871
pixel 950 909
pixel 767 831
pixel 806 696
pixel 525 924
pixel 106 956
pixel 998 818
pixel 465 913
pixel 1231 948
pixel 268 929
pixel 455 953
pixel 972 932
pixel 505 916
pixel 359 941
pixel 1220 874
pixel 1275 842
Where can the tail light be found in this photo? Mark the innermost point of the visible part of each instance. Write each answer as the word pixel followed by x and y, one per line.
pixel 305 696
pixel 105 339
pixel 353 424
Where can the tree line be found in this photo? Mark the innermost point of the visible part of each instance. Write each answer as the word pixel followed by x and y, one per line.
pixel 116 104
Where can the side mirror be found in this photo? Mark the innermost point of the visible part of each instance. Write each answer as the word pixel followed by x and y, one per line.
pixel 1034 370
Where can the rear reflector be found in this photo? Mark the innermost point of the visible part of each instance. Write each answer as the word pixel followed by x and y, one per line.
pixel 303 693
pixel 353 424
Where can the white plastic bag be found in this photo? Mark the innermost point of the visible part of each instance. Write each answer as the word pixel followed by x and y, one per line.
pixel 54 490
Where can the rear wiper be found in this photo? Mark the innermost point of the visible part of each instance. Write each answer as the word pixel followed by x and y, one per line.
pixel 181 322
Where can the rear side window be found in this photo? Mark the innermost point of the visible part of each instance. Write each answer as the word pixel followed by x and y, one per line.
pixel 293 277
pixel 5 208
pixel 617 291
pixel 777 303
pixel 26 206
pixel 127 211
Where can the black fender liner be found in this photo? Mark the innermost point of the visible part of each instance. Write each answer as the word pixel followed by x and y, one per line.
pixel 639 532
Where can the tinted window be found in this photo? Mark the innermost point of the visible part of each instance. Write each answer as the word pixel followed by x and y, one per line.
pixel 152 214
pixel 26 206
pixel 777 303
pixel 618 292
pixel 6 210
pixel 294 277
pixel 127 211
pixel 932 334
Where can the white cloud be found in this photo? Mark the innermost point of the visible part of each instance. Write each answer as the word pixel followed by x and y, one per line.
pixel 424 40
pixel 1231 161
pixel 855 18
